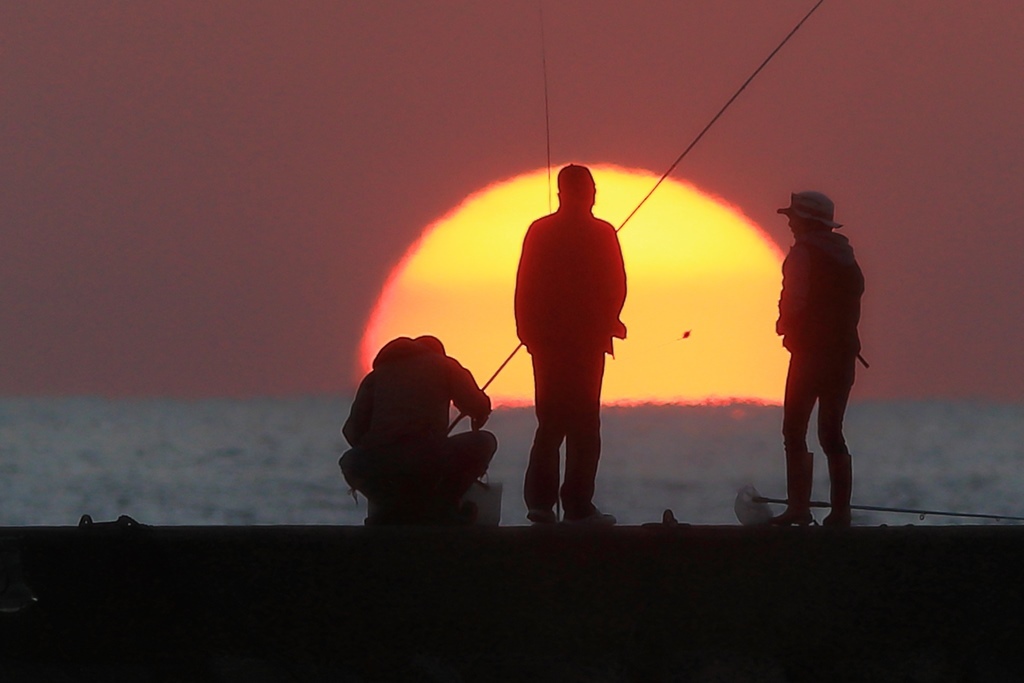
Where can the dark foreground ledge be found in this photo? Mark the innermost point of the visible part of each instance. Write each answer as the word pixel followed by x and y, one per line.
pixel 133 602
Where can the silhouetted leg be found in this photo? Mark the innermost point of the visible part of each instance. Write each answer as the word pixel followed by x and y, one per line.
pixel 840 474
pixel 583 435
pixel 466 458
pixel 835 395
pixel 353 468
pixel 799 400
pixel 799 482
pixel 540 490
pixel 363 472
pixel 397 479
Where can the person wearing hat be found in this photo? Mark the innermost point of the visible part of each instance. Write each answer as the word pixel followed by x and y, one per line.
pixel 570 288
pixel 819 310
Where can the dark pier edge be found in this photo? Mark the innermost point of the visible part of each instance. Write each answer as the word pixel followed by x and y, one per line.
pixel 512 603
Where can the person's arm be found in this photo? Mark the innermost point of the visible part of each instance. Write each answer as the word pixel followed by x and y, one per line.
pixel 467 395
pixel 525 298
pixel 613 284
pixel 795 290
pixel 618 287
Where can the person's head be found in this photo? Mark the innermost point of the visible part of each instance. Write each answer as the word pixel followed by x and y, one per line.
pixel 810 210
pixel 403 347
pixel 430 343
pixel 576 188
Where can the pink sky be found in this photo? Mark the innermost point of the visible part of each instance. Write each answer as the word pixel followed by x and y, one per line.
pixel 205 198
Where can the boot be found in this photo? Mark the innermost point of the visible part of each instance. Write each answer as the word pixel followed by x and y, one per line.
pixel 799 479
pixel 840 474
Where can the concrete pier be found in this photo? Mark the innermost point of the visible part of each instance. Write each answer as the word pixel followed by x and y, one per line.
pixel 647 603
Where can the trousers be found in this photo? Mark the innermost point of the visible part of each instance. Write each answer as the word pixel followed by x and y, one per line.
pixel 416 480
pixel 568 407
pixel 823 377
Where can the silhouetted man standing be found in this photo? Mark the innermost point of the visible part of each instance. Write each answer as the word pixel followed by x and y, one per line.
pixel 819 310
pixel 402 458
pixel 570 289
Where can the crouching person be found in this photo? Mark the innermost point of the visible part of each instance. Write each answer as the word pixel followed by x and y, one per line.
pixel 402 458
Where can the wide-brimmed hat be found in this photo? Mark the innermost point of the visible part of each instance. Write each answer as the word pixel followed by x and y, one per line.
pixel 813 206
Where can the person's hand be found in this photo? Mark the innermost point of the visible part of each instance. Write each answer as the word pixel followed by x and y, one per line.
pixel 477 422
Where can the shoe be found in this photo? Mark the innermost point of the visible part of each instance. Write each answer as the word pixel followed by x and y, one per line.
pixel 541 516
pixel 595 518
pixel 838 519
pixel 792 518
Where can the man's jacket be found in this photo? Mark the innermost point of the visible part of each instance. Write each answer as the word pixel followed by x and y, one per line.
pixel 571 284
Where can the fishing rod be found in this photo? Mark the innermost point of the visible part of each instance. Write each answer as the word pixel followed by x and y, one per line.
pixel 756 511
pixel 675 163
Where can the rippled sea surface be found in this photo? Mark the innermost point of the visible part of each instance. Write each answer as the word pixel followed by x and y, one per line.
pixel 274 461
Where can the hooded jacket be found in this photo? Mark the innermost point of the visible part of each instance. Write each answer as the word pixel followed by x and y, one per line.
pixel 822 285
pixel 407 395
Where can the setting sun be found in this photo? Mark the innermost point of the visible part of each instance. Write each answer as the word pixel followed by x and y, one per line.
pixel 703 291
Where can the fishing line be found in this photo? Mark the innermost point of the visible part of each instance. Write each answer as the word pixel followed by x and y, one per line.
pixel 547 115
pixel 721 111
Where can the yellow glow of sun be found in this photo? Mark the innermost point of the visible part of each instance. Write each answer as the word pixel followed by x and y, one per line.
pixel 693 263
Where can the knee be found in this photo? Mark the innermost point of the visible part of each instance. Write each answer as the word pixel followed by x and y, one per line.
pixel 472 448
pixel 832 441
pixel 549 435
pixel 794 436
pixel 349 461
pixel 794 424
pixel 487 441
pixel 835 450
pixel 354 468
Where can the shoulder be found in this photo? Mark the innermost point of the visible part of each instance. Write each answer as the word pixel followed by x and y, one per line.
pixel 366 385
pixel 600 227
pixel 539 228
pixel 544 222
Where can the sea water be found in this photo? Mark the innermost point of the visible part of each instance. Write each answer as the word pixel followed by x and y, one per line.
pixel 274 461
